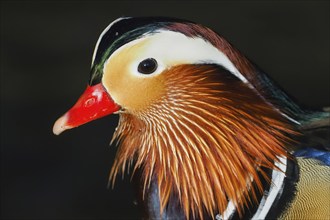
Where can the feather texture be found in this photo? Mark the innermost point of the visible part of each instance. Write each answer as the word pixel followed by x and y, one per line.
pixel 205 140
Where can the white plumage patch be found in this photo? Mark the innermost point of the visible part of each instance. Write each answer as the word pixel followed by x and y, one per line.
pixel 275 188
pixel 172 48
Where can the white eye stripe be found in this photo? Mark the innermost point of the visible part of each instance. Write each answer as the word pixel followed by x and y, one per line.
pixel 172 48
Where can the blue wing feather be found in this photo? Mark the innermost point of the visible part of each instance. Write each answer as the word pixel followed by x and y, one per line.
pixel 323 156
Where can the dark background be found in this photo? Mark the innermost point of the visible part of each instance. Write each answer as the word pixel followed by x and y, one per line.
pixel 46 51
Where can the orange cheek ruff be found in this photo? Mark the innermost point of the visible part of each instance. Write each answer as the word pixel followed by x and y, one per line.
pixel 205 140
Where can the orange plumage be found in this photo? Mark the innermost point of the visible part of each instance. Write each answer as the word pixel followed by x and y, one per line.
pixel 197 118
pixel 205 140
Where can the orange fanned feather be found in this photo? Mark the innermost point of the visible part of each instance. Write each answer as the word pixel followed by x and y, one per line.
pixel 204 140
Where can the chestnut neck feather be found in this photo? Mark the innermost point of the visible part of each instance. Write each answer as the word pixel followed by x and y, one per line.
pixel 204 140
pixel 256 77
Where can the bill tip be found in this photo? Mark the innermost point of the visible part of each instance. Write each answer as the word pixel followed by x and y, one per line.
pixel 60 125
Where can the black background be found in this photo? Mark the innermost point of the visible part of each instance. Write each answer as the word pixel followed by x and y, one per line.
pixel 46 50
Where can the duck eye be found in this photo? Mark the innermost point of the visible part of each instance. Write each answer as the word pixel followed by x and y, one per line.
pixel 148 66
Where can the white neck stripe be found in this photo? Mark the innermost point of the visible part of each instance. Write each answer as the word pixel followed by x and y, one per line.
pixel 267 200
pixel 275 188
pixel 227 213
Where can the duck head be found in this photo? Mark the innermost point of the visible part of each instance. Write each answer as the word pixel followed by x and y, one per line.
pixel 195 113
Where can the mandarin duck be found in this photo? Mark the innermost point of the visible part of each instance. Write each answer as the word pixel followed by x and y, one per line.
pixel 207 134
